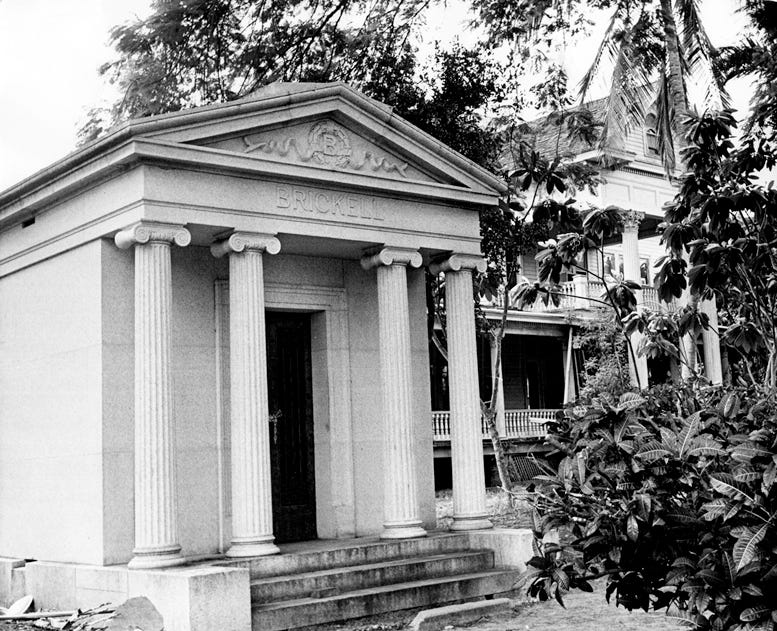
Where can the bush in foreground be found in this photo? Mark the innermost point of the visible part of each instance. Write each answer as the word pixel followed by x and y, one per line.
pixel 672 496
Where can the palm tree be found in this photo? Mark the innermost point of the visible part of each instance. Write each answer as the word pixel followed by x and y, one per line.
pixel 653 65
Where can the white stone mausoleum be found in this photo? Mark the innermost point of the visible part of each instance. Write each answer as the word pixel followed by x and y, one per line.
pixel 213 340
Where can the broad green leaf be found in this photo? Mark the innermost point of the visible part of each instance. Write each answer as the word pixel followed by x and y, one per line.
pixel 706 446
pixel 561 577
pixel 746 547
pixel 754 613
pixel 747 451
pixel 730 405
pixel 632 528
pixel 630 401
pixel 725 484
pixel 743 473
pixel 689 432
pixel 652 451
pixel 716 508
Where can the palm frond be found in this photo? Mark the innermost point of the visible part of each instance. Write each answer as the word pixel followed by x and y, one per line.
pixel 698 51
pixel 665 123
pixel 743 58
pixel 631 91
pixel 607 53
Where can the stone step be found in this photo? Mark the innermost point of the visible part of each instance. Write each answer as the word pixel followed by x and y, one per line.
pixel 298 558
pixel 337 581
pixel 292 614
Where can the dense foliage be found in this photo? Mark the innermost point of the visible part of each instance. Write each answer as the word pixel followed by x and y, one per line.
pixel 672 496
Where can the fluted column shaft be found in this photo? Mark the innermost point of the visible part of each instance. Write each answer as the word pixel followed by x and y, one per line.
pixel 401 508
pixel 156 526
pixel 631 263
pixel 469 485
pixel 252 528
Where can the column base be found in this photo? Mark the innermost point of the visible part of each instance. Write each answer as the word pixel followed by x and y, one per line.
pixel 471 522
pixel 253 549
pixel 153 559
pixel 411 530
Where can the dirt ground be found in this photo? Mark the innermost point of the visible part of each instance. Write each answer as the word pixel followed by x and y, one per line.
pixel 500 513
pixel 583 612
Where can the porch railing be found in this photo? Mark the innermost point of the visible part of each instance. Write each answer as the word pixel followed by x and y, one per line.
pixel 518 424
pixel 575 295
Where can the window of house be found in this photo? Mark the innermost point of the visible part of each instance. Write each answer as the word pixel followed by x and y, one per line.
pixel 613 266
pixel 651 135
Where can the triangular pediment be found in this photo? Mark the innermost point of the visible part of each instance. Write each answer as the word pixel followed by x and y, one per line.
pixel 322 128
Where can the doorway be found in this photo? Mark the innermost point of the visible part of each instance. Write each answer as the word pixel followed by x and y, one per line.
pixel 290 395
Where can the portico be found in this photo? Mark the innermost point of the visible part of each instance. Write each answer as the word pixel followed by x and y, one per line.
pixel 158 255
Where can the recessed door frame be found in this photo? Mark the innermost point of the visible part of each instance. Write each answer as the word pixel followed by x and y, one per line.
pixel 332 428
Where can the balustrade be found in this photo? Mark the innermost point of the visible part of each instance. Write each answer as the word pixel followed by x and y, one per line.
pixel 569 299
pixel 518 424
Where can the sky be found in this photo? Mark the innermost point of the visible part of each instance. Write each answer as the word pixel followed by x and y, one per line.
pixel 50 51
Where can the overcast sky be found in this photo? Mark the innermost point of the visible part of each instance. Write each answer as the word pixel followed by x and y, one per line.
pixel 50 51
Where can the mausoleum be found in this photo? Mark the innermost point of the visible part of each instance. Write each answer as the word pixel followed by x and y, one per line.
pixel 213 340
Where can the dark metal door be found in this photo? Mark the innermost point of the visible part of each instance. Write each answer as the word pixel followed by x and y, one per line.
pixel 291 427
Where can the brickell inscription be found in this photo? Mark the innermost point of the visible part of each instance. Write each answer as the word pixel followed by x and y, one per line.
pixel 303 200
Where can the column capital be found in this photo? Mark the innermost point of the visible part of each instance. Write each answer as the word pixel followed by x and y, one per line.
pixel 458 262
pixel 150 231
pixel 632 219
pixel 392 256
pixel 242 241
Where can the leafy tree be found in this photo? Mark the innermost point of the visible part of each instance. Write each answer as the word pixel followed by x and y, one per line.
pixel 525 217
pixel 195 52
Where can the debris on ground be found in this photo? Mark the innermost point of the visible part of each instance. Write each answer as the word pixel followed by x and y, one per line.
pixel 136 614
pixel 21 606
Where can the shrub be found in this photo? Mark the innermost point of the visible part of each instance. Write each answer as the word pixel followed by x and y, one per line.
pixel 671 495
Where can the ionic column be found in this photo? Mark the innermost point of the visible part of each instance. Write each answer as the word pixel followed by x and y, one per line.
pixel 713 366
pixel 631 220
pixel 252 531
pixel 469 485
pixel 401 512
pixel 496 376
pixel 156 526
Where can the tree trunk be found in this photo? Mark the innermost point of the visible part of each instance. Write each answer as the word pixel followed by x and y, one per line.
pixel 679 100
pixel 490 410
pixel 499 451
pixel 677 93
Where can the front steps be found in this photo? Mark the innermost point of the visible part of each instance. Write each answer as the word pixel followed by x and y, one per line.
pixel 343 580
